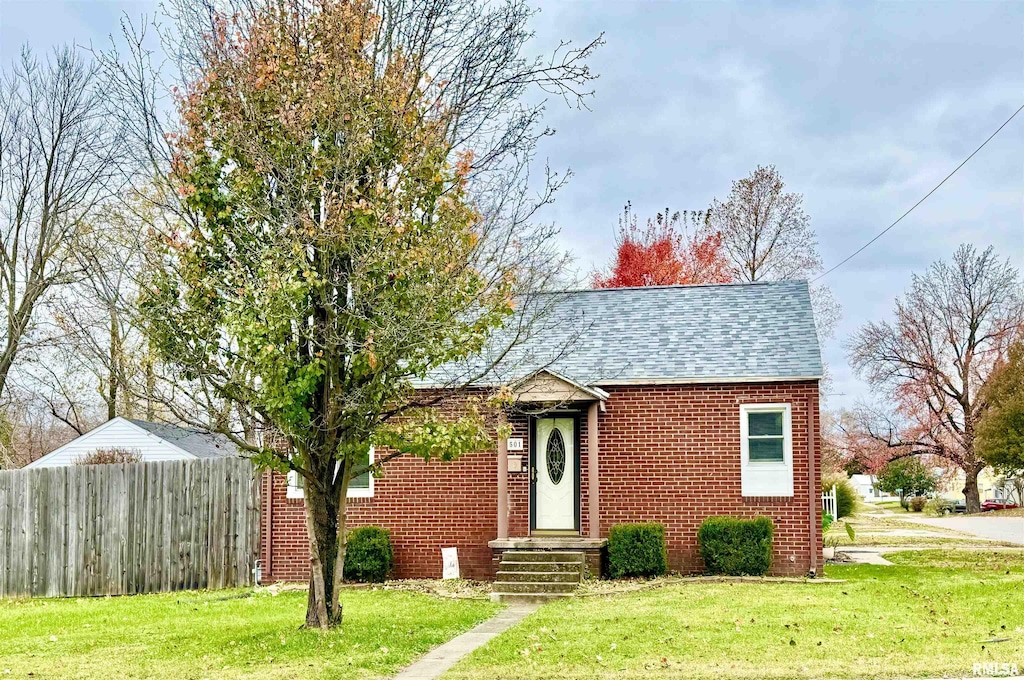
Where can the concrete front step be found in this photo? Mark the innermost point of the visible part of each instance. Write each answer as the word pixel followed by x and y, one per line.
pixel 571 567
pixel 534 587
pixel 523 598
pixel 542 556
pixel 538 576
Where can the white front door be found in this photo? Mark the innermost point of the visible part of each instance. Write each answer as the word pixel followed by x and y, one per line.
pixel 555 474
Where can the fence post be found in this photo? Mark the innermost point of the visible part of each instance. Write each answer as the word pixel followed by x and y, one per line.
pixel 829 503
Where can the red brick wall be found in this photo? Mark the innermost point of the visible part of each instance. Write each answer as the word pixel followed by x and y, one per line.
pixel 672 455
pixel 427 506
pixel 668 454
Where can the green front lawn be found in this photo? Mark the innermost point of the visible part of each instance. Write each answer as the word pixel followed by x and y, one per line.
pixel 224 634
pixel 933 614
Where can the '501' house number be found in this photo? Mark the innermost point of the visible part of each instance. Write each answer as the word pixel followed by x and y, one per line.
pixel 515 443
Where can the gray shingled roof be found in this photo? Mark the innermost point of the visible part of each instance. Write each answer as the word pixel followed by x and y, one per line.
pixel 199 443
pixel 715 333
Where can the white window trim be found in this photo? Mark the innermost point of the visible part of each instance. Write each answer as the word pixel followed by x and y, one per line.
pixel 766 478
pixel 295 491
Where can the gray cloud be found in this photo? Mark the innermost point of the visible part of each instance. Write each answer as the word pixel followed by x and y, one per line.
pixel 863 107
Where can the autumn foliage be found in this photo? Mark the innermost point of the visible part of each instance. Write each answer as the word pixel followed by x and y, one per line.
pixel 664 252
pixel 353 219
pixel 950 331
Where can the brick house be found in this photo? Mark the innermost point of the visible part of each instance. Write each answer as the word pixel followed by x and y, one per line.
pixel 678 402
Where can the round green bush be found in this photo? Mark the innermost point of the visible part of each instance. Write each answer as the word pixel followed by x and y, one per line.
pixel 368 555
pixel 846 494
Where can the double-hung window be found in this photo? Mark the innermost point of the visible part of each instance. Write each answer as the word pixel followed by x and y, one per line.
pixel 360 486
pixel 766 441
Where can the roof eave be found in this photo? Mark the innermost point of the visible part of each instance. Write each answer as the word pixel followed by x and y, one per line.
pixel 707 380
pixel 622 382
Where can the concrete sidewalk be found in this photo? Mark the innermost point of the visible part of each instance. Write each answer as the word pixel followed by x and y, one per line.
pixel 1006 529
pixel 438 660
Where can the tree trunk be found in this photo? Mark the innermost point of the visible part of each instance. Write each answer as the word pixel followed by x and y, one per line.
pixel 325 528
pixel 115 366
pixel 972 497
pixel 150 389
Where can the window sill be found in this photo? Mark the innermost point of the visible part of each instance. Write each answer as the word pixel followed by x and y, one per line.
pixel 767 500
pixel 352 500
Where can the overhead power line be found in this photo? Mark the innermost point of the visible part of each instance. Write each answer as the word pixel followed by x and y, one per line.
pixel 923 199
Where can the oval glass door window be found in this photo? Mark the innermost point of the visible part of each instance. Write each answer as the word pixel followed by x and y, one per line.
pixel 556 456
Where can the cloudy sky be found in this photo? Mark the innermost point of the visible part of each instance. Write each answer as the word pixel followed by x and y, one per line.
pixel 862 107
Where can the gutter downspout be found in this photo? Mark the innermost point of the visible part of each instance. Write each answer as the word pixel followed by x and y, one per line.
pixel 812 487
pixel 269 519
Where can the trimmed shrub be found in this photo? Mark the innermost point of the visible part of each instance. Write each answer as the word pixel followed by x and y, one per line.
pixel 637 550
pixel 846 494
pixel 368 556
pixel 917 503
pixel 736 547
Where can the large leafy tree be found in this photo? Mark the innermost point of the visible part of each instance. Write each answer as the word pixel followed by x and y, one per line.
pixel 1000 436
pixel 906 477
pixel 949 331
pixel 673 248
pixel 352 217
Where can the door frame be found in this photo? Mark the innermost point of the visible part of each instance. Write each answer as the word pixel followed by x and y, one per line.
pixel 576 419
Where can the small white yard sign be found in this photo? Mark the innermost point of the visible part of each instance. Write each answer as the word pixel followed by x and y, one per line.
pixel 450 557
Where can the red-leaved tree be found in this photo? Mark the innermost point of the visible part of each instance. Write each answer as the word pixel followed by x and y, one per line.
pixel 672 248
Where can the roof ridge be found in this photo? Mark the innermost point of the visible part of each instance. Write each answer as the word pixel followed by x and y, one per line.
pixel 186 428
pixel 680 286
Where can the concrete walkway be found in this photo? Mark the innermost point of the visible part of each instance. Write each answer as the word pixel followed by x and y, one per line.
pixel 438 660
pixel 861 555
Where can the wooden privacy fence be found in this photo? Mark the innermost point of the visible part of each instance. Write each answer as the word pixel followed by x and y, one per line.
pixel 128 528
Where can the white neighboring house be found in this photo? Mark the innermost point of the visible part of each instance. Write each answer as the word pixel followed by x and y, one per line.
pixel 152 442
pixel 867 487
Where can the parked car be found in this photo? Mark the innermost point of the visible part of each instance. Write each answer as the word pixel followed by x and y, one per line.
pixel 948 507
pixel 997 504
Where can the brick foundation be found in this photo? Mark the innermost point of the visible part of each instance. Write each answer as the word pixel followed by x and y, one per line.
pixel 668 454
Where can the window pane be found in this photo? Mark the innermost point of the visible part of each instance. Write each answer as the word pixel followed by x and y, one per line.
pixel 363 480
pixel 769 423
pixel 766 450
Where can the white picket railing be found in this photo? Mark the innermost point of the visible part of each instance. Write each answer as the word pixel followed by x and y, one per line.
pixel 828 503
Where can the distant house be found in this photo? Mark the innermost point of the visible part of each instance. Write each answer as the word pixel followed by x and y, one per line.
pixel 867 487
pixel 151 441
pixel 990 484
